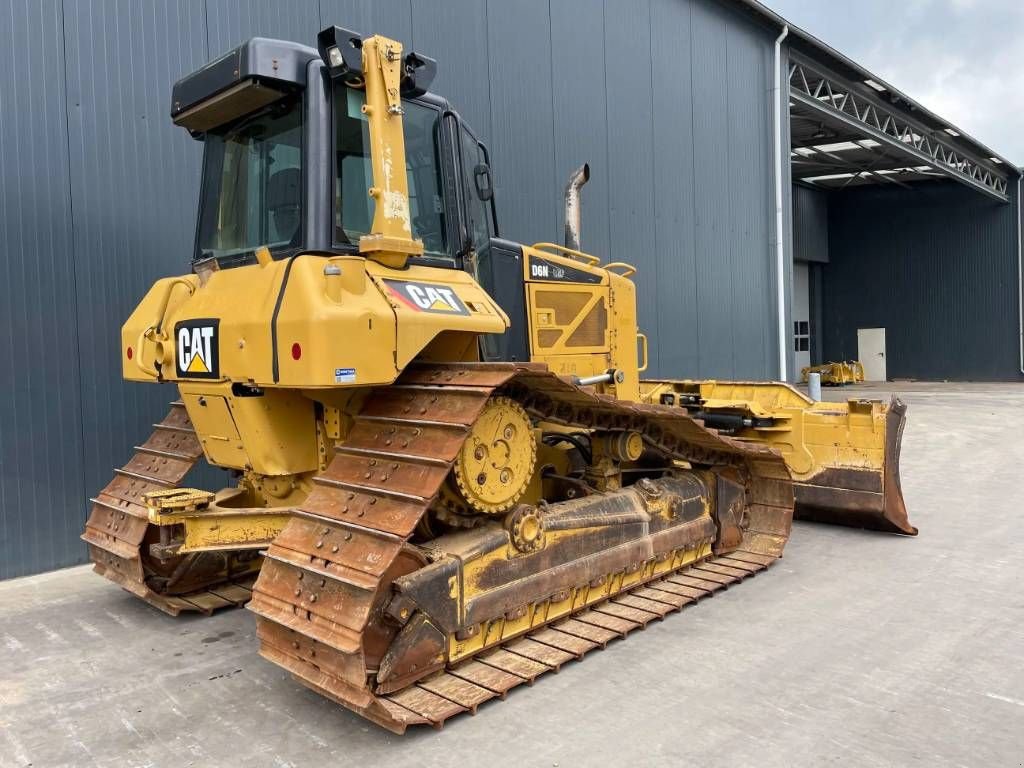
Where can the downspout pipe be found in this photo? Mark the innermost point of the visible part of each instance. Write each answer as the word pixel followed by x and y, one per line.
pixel 1020 280
pixel 780 251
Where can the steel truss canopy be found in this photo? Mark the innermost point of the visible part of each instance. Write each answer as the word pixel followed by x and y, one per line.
pixel 848 127
pixel 846 133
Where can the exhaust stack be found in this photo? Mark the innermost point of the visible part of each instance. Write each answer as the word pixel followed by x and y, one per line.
pixel 577 179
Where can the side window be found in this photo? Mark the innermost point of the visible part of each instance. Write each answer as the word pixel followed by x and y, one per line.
pixel 252 188
pixel 801 336
pixel 475 179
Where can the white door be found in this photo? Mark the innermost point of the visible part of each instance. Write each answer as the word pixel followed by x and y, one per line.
pixel 871 352
pixel 801 316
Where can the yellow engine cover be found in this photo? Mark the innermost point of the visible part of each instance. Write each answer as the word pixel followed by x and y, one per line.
pixel 307 322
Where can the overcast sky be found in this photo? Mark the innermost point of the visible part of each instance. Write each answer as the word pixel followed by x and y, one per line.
pixel 963 59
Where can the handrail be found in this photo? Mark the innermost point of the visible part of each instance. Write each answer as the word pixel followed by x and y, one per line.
pixel 578 255
pixel 642 337
pixel 627 269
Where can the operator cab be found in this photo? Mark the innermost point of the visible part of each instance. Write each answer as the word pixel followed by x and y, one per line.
pixel 287 166
pixel 287 162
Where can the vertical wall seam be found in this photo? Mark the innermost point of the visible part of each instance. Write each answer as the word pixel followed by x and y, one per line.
pixel 412 29
pixel 490 98
pixel 658 256
pixel 74 260
pixel 554 134
pixel 693 186
pixel 206 26
pixel 607 141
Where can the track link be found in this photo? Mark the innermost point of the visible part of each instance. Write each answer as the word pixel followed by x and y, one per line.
pixel 118 531
pixel 322 591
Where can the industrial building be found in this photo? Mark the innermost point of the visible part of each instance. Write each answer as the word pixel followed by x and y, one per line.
pixel 783 205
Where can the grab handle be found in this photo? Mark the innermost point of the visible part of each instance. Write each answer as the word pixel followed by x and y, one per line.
pixel 627 269
pixel 642 338
pixel 155 332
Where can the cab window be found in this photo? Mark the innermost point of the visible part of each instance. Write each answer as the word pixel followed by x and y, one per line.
pixel 353 207
pixel 252 191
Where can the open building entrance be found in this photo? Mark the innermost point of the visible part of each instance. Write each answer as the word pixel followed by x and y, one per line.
pixel 905 232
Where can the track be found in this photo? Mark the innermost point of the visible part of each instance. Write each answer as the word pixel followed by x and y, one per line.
pixel 489 675
pixel 118 531
pixel 321 595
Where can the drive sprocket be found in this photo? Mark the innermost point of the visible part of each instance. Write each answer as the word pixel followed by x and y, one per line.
pixel 496 463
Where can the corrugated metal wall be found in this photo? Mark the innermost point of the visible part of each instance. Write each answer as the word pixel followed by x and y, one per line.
pixel 810 224
pixel 41 462
pixel 936 266
pixel 667 99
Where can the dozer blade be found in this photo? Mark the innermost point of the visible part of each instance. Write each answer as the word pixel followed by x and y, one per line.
pixel 844 457
pixel 120 536
pixel 861 497
pixel 412 635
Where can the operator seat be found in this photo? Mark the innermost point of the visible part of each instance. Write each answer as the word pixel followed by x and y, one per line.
pixel 283 202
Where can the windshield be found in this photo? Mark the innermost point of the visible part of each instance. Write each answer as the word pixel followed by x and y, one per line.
pixel 353 207
pixel 252 184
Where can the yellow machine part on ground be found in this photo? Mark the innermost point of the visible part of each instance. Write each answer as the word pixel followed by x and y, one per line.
pixel 835 374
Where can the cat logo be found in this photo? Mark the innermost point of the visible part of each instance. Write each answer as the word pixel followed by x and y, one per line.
pixel 427 297
pixel 198 356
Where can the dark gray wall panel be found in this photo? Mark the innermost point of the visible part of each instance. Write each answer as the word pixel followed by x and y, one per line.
pixel 675 190
pixel 455 33
pixel 231 23
pixel 935 266
pixel 631 154
pixel 750 181
pixel 709 36
pixel 522 120
pixel 810 224
pixel 41 483
pixel 581 116
pixel 386 17
pixel 134 177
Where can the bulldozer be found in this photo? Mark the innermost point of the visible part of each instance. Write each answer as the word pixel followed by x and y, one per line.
pixel 449 477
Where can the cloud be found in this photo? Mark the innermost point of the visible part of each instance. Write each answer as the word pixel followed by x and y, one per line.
pixel 959 58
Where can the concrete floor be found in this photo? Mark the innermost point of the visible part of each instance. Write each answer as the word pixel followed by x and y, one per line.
pixel 857 649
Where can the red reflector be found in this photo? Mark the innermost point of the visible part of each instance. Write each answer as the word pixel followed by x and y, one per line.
pixel 296 351
pixel 130 353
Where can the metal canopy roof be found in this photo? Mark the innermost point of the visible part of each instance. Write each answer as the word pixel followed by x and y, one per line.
pixel 849 127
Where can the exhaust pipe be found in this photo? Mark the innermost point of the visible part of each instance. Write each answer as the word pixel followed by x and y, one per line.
pixel 577 179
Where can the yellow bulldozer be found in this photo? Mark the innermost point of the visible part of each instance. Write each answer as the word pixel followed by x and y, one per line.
pixel 448 474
